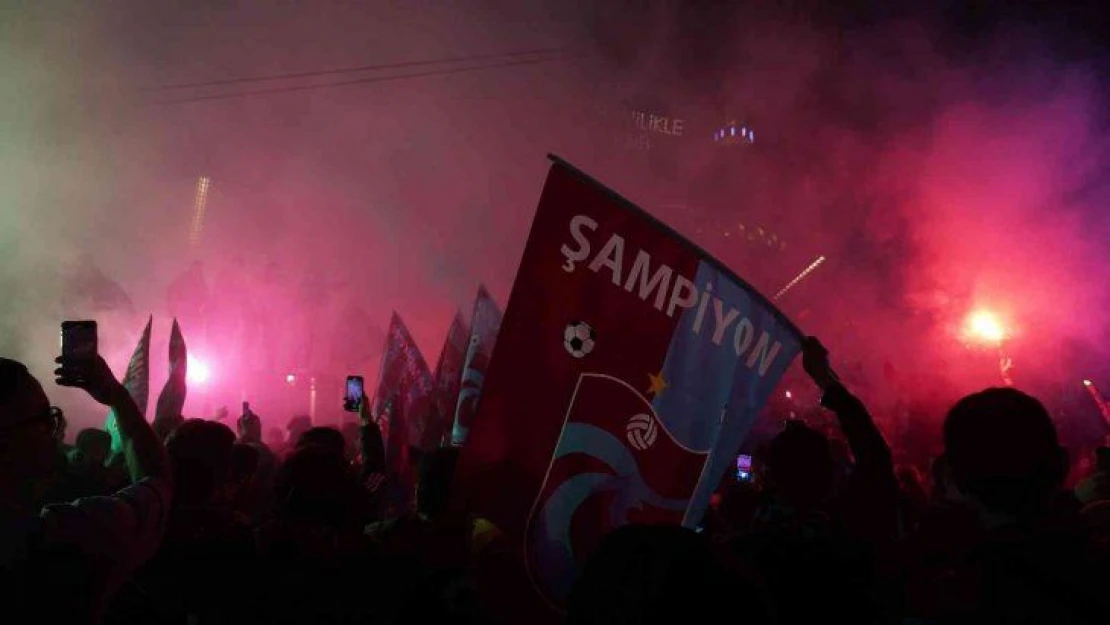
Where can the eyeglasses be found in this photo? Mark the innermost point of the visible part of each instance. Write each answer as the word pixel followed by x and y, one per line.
pixel 53 415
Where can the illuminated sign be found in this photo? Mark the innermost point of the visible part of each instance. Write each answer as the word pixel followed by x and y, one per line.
pixel 648 128
pixel 658 124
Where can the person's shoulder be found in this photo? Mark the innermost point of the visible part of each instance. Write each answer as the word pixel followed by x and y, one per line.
pixel 150 498
pixel 154 490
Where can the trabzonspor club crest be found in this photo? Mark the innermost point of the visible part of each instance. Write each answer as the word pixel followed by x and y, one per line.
pixel 614 463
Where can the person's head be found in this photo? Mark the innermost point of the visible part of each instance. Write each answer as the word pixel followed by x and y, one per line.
pixel 250 428
pixel 94 446
pixel 275 438
pixel 437 471
pixel 297 425
pixel 315 486
pixel 27 424
pixel 800 466
pixel 1001 450
pixel 1102 459
pixel 201 455
pixel 164 427
pixel 325 438
pixel 244 464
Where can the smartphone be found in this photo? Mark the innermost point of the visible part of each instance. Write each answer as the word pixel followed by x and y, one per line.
pixel 744 468
pixel 79 340
pixel 352 400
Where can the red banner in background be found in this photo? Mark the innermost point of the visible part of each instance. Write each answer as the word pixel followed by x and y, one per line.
pixel 448 378
pixel 403 391
pixel 484 326
pixel 171 401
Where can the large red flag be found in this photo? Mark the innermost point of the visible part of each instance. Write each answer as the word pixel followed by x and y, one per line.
pixel 628 370
pixel 136 381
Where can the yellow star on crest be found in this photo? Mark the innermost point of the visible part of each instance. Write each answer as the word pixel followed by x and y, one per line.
pixel 658 384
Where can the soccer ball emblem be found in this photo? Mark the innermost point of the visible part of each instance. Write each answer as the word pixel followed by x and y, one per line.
pixel 579 338
pixel 641 431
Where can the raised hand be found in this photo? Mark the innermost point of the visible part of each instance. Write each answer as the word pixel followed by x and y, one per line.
pixel 364 414
pixel 815 361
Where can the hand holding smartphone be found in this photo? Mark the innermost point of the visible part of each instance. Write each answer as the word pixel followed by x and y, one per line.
pixel 81 365
pixel 744 468
pixel 352 399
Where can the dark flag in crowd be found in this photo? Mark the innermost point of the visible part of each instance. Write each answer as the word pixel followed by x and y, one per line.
pixel 171 401
pixel 448 377
pixel 399 474
pixel 136 380
pixel 630 367
pixel 484 324
pixel 404 388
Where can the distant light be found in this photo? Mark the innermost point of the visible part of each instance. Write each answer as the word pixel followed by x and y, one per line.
pixel 198 371
pixel 789 395
pixel 290 379
pixel 984 326
pixel 734 133
pixel 1086 382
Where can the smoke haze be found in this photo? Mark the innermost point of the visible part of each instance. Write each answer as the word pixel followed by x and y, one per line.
pixel 938 168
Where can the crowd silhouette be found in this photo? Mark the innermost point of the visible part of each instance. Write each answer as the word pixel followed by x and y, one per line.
pixel 193 523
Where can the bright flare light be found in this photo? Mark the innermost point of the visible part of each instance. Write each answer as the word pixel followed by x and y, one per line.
pixel 985 327
pixel 198 372
pixel 290 379
pixel 1086 382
